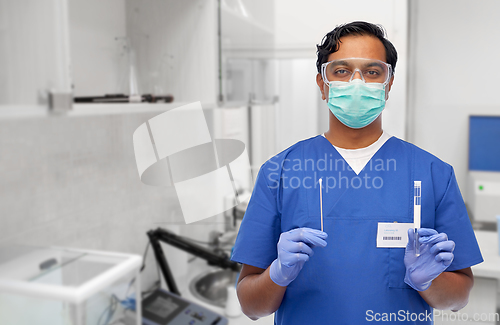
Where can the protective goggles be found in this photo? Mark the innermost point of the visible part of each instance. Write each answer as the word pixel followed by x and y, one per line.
pixel 370 70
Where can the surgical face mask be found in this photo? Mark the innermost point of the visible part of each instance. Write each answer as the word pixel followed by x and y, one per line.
pixel 356 103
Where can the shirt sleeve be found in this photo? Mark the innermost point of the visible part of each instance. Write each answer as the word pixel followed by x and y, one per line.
pixel 452 219
pixel 260 229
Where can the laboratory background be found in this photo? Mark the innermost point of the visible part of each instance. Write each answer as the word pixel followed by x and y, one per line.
pixel 78 77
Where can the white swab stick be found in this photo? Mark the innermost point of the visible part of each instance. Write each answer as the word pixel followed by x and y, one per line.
pixel 321 201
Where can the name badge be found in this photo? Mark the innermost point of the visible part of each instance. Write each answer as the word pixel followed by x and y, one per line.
pixel 393 234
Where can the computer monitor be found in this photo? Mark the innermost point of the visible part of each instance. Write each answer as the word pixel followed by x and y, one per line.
pixel 484 143
pixel 483 197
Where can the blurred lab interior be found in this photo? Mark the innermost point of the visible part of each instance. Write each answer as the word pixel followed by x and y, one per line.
pixel 79 76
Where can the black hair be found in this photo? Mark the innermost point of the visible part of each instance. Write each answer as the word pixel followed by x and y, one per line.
pixel 331 41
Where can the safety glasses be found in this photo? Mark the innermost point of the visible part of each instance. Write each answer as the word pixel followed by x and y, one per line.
pixel 370 70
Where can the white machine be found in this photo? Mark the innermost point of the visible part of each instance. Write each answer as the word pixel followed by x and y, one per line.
pixel 484 195
pixel 484 168
pixel 65 286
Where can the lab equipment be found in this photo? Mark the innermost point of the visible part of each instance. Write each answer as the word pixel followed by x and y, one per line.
pixel 294 249
pixel 484 135
pixel 356 104
pixel 436 255
pixel 483 184
pixel 417 199
pixel 169 307
pixel 351 262
pixel 321 201
pixel 62 286
pixel 122 98
pixel 162 235
pixel 498 233
pixel 210 287
pixel 163 307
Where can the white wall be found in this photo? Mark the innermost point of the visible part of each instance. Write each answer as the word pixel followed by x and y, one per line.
pixel 298 115
pixel 73 182
pixel 454 45
pixel 300 25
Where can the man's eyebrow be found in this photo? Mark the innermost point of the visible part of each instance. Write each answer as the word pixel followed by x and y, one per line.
pixel 367 65
pixel 374 64
pixel 340 62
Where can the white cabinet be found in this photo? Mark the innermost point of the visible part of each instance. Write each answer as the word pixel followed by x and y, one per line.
pixel 248 69
pixel 195 50
pixel 247 28
pixel 34 55
pixel 172 46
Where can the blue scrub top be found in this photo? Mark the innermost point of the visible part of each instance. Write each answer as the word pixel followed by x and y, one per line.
pixel 351 281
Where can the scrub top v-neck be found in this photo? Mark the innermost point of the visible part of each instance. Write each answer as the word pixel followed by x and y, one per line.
pixel 351 278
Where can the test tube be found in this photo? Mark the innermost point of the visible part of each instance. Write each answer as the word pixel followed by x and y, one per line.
pixel 417 197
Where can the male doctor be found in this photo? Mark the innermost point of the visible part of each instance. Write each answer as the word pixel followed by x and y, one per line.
pixel 341 250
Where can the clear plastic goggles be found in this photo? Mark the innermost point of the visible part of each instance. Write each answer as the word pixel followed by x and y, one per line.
pixel 370 70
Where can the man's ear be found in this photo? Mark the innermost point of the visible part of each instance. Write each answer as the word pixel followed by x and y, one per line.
pixel 388 89
pixel 321 84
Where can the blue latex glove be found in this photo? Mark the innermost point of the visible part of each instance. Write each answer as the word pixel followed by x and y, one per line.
pixel 294 249
pixel 436 254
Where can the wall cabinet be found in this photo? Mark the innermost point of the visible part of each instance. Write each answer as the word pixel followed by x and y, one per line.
pixel 169 45
pixel 246 42
pixel 34 56
pixel 213 51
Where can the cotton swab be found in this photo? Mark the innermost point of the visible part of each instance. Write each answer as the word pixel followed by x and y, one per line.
pixel 321 201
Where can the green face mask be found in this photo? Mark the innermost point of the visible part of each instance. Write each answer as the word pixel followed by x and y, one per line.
pixel 356 103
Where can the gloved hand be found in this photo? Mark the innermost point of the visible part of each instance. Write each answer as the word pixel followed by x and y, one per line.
pixel 294 249
pixel 436 254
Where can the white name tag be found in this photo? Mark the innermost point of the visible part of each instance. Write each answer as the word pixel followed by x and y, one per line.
pixel 393 234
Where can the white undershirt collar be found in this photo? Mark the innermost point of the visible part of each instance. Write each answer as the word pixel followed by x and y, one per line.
pixel 358 158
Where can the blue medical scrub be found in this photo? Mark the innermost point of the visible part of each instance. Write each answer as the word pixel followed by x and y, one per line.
pixel 351 281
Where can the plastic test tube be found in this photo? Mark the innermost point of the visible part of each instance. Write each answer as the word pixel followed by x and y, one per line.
pixel 417 201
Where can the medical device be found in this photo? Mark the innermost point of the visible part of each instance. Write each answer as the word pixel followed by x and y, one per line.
pixel 163 307
pixel 62 285
pixel 483 188
pixel 321 201
pixel 163 235
pixel 417 200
